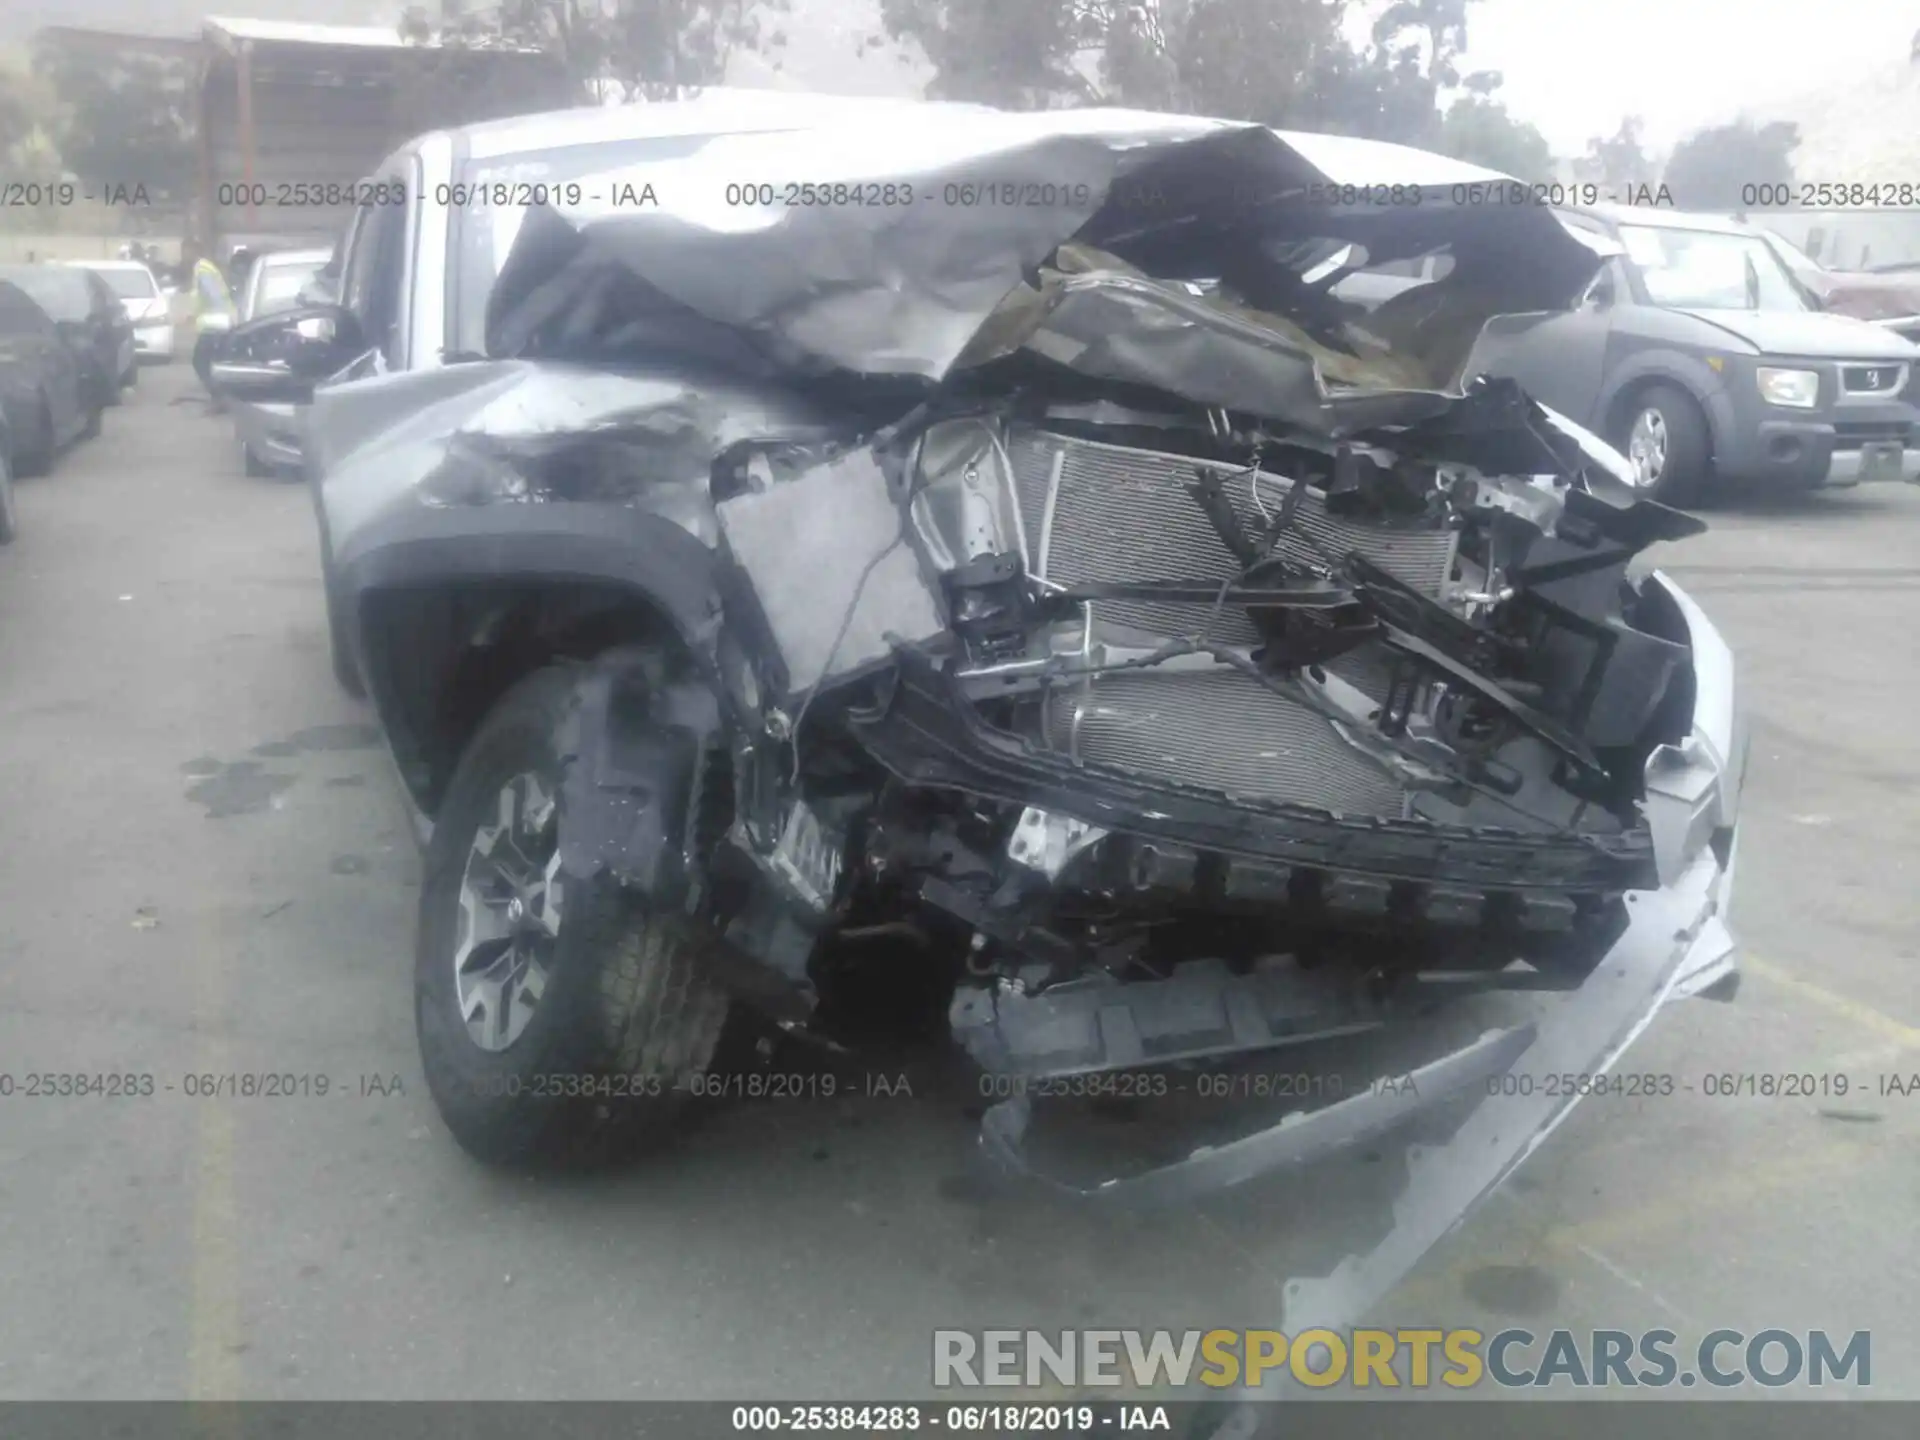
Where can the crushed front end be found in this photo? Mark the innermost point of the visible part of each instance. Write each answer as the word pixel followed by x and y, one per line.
pixel 1110 623
pixel 1216 739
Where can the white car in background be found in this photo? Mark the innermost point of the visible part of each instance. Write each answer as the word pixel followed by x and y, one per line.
pixel 147 304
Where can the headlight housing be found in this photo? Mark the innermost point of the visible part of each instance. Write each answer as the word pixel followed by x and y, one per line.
pixel 1798 389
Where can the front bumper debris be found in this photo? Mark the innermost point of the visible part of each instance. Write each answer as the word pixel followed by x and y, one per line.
pixel 1302 1137
pixel 1676 944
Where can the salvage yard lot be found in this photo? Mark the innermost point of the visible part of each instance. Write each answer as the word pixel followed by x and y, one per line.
pixel 207 875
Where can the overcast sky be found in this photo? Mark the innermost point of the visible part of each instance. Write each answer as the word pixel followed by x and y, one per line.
pixel 1574 67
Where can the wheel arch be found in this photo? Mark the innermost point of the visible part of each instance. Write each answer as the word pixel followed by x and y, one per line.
pixel 447 611
pixel 1673 371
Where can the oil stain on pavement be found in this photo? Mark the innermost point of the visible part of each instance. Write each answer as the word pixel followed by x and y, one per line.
pixel 245 788
pixel 1512 1289
pixel 241 789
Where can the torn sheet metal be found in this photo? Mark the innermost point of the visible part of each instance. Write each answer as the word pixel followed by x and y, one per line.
pixel 512 432
pixel 831 620
pixel 1300 1139
pixel 1675 934
pixel 884 251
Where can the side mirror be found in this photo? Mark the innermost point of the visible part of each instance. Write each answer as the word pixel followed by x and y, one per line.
pixel 282 357
pixel 262 382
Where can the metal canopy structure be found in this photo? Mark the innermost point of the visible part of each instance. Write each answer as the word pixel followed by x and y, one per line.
pixel 290 116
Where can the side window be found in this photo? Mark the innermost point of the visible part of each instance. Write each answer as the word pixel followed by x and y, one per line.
pixel 1612 278
pixel 375 267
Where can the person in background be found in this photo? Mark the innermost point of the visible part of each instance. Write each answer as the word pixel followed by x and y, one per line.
pixel 213 317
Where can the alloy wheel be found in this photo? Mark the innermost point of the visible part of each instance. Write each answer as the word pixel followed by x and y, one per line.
pixel 510 906
pixel 1647 447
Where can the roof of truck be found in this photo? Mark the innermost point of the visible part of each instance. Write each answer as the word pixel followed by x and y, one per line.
pixel 722 110
pixel 717 110
pixel 1660 217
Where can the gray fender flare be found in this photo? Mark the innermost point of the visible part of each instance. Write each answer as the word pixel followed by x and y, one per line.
pixel 1669 367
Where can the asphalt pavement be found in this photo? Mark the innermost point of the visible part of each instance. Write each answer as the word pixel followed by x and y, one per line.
pixel 206 873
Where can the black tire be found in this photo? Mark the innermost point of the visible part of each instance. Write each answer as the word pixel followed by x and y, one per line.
pixel 37 458
pixel 626 1001
pixel 1688 444
pixel 9 516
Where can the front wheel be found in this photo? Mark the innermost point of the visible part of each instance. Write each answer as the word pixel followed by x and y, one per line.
pixel 1664 437
pixel 559 1020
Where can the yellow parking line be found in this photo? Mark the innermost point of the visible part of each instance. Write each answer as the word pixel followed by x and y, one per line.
pixel 1724 1192
pixel 213 1359
pixel 1863 1015
pixel 1719 1196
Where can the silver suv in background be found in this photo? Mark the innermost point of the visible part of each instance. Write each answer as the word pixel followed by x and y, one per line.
pixel 269 433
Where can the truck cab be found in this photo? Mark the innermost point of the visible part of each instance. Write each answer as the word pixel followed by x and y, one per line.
pixel 408 288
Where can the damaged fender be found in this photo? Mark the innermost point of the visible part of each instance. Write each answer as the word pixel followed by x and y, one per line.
pixel 637 744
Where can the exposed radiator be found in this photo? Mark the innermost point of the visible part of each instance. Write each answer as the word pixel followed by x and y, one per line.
pixel 1219 730
pixel 1094 512
pixel 1116 513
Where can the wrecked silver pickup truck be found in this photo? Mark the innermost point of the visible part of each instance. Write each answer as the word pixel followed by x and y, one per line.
pixel 1007 542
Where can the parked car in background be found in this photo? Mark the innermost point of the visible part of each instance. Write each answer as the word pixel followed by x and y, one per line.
pixel 269 432
pixel 91 322
pixel 1877 241
pixel 149 306
pixel 1698 354
pixel 42 392
pixel 1890 297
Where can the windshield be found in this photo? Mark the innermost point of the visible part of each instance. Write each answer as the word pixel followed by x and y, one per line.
pixel 1709 270
pixel 279 286
pixel 484 233
pixel 61 293
pixel 130 283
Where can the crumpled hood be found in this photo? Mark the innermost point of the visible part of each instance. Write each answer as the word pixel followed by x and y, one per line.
pixel 922 247
pixel 1810 334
